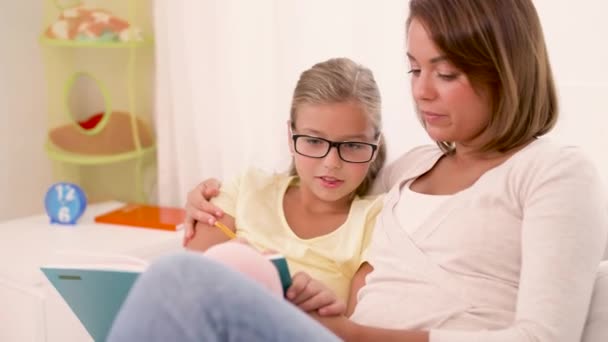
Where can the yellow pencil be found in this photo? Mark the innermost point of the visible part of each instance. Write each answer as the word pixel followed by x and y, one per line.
pixel 225 229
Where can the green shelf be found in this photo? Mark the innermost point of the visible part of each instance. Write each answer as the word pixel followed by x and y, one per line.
pixel 61 155
pixel 94 44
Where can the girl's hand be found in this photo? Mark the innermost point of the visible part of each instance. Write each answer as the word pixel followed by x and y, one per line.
pixel 343 327
pixel 311 295
pixel 198 207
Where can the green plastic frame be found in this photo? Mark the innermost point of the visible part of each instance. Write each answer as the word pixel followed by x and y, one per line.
pixel 139 153
pixel 71 4
pixel 107 101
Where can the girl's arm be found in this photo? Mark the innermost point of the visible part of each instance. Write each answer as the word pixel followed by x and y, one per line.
pixel 356 284
pixel 349 331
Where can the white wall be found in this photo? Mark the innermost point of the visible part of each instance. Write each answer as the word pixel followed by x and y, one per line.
pixel 372 32
pixel 25 172
pixel 369 31
pixel 576 33
pixel 577 37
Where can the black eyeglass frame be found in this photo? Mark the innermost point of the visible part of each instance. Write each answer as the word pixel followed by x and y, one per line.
pixel 332 144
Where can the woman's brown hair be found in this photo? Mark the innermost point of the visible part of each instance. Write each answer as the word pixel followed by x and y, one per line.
pixel 498 44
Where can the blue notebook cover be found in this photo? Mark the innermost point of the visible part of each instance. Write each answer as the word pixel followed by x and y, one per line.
pixel 95 292
pixel 95 296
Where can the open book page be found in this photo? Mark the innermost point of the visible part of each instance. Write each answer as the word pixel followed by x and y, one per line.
pixel 75 259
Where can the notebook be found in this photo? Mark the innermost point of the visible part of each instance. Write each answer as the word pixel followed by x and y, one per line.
pixel 95 286
pixel 146 216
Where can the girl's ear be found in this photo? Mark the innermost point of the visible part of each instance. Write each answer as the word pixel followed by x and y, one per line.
pixel 289 139
pixel 380 142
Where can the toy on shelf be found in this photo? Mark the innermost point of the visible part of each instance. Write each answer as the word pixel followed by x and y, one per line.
pixel 83 23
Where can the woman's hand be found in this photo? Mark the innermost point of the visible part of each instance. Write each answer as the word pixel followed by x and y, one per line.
pixel 311 295
pixel 198 207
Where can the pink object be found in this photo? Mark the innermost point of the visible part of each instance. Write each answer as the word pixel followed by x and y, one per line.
pixel 248 261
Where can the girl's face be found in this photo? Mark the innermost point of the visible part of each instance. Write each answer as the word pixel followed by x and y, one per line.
pixel 450 108
pixel 330 178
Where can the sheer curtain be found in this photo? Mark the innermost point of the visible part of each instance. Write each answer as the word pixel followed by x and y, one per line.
pixel 226 71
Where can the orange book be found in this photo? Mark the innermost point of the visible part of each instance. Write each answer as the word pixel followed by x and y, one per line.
pixel 146 216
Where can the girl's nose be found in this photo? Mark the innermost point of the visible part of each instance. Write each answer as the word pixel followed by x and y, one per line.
pixel 332 159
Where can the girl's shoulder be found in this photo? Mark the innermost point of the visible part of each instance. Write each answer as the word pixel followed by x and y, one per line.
pixel 368 201
pixel 257 179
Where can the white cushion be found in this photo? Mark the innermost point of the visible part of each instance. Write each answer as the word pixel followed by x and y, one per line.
pixel 596 328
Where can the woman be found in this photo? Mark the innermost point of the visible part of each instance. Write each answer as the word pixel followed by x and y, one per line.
pixel 493 235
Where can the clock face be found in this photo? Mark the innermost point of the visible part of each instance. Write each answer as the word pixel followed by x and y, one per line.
pixel 65 203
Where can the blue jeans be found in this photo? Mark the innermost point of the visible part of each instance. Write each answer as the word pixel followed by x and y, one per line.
pixel 187 297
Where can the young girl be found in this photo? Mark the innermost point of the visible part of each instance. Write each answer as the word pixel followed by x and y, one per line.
pixel 315 215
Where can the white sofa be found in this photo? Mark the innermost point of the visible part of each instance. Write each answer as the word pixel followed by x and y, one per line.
pixel 596 328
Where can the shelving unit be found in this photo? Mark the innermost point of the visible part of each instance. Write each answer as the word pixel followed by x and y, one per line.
pixel 100 99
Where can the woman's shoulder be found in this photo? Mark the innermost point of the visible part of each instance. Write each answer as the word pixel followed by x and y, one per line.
pixel 418 158
pixel 421 156
pixel 543 153
pixel 547 164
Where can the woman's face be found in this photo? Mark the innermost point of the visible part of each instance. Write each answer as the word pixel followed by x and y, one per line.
pixel 451 110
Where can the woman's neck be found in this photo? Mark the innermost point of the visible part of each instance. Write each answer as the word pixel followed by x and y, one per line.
pixel 469 154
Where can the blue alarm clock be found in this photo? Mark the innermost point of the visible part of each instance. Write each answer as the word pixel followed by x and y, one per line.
pixel 65 203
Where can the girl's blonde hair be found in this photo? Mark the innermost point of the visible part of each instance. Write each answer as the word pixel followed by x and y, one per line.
pixel 498 44
pixel 342 80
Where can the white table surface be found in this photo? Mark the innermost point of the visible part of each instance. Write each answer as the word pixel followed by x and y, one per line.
pixel 28 243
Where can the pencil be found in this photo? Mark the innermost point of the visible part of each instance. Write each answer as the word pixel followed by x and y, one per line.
pixel 225 229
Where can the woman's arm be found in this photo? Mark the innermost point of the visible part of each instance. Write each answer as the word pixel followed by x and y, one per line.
pixel 199 209
pixel 208 235
pixel 563 237
pixel 201 213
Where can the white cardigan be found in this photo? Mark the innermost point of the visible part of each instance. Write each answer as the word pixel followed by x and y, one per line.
pixel 511 258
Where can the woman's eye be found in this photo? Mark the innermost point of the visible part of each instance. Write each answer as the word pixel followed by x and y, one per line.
pixel 447 77
pixel 414 72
